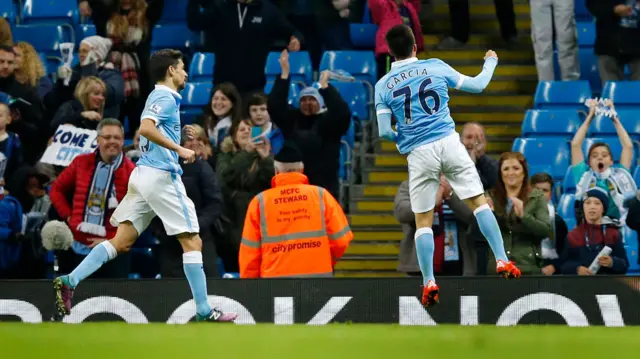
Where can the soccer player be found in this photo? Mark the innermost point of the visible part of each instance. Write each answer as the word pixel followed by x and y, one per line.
pixel 416 93
pixel 155 188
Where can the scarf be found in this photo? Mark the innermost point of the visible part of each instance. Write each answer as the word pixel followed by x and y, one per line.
pixel 619 182
pixel 101 196
pixel 548 245
pixel 127 62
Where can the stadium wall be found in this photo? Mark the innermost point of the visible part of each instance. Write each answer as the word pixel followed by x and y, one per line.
pixel 577 301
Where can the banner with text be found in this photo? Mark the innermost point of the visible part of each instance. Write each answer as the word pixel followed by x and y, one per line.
pixel 68 142
pixel 583 301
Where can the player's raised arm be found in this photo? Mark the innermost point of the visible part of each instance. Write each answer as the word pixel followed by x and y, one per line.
pixel 474 84
pixel 383 114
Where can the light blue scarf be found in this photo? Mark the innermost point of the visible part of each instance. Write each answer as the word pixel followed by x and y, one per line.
pixel 619 181
pixel 100 197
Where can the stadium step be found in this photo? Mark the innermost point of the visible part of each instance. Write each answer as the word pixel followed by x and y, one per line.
pixel 374 191
pixel 479 25
pixel 478 41
pixel 471 56
pixel 477 8
pixel 493 147
pixel 369 274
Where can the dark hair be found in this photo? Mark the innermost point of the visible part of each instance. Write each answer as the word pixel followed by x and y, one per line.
pixel 7 48
pixel 542 177
pixel 596 145
pixel 500 190
pixel 231 92
pixel 160 62
pixel 400 41
pixel 257 99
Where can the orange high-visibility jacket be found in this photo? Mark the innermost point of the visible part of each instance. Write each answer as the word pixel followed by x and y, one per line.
pixel 293 230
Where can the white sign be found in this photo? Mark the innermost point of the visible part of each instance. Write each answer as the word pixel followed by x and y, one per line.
pixel 68 142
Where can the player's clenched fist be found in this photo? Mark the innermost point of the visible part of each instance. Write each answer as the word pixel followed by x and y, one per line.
pixel 188 155
pixel 490 54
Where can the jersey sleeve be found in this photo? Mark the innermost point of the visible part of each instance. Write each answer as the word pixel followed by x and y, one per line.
pixel 383 114
pixel 159 109
pixel 469 84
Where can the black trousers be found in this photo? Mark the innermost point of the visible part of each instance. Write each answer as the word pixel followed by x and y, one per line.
pixel 461 20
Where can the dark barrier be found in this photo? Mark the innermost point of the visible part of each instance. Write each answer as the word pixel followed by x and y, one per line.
pixel 578 301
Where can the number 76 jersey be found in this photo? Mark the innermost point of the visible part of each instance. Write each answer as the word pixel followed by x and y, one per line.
pixel 416 93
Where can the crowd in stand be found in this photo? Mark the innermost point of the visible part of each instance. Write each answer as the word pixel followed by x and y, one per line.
pixel 242 128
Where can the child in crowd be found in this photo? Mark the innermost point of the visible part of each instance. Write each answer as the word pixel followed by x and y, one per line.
pixel 259 116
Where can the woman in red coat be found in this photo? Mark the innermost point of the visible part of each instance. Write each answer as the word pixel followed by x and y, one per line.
pixel 387 14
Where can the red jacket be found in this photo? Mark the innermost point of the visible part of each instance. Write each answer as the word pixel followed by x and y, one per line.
pixel 73 183
pixel 386 14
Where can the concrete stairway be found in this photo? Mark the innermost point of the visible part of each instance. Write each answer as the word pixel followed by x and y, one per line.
pixel 374 251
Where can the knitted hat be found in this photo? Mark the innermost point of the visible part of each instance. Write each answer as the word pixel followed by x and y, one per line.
pixel 313 92
pixel 100 45
pixel 599 193
pixel 289 153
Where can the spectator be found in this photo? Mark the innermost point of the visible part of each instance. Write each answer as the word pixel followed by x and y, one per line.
pixel 132 151
pixel 633 217
pixel 5 33
pixel 547 15
pixel 585 242
pixel 552 246
pixel 408 260
pixel 464 218
pixel 521 212
pixel 249 28
pixel 224 109
pixel 10 232
pixel 617 33
pixel 94 62
pixel 95 183
pixel 201 146
pixel 245 168
pixel 309 220
pixel 29 187
pixel 387 14
pixel 30 70
pixel 26 119
pixel 10 144
pixel 86 110
pixel 475 140
pixel 598 169
pixel 203 189
pixel 460 23
pixel 324 24
pixel 129 24
pixel 259 116
pixel 315 128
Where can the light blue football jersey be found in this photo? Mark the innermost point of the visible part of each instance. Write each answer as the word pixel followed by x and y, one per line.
pixel 162 106
pixel 416 93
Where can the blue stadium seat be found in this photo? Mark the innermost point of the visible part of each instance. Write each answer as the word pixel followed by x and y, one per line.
pixel 603 126
pixel 589 69
pixel 586 33
pixel 366 17
pixel 562 94
pixel 614 145
pixel 636 176
pixel 174 11
pixel 44 38
pixel 51 63
pixel 201 67
pixel 623 93
pixel 566 209
pixel 195 96
pixel 363 35
pixel 581 11
pixel 346 152
pixel 354 94
pixel 546 154
pixel 173 36
pixel 630 238
pixel 299 64
pixel 569 183
pixel 50 12
pixel 294 90
pixel 562 123
pixel 86 30
pixel 8 11
pixel 360 64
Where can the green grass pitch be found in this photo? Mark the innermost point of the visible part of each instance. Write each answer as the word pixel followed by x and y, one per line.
pixel 225 341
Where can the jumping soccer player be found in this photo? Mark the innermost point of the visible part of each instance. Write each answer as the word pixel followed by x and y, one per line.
pixel 416 94
pixel 155 188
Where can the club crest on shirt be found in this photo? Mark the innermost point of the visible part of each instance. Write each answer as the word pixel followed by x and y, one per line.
pixel 155 109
